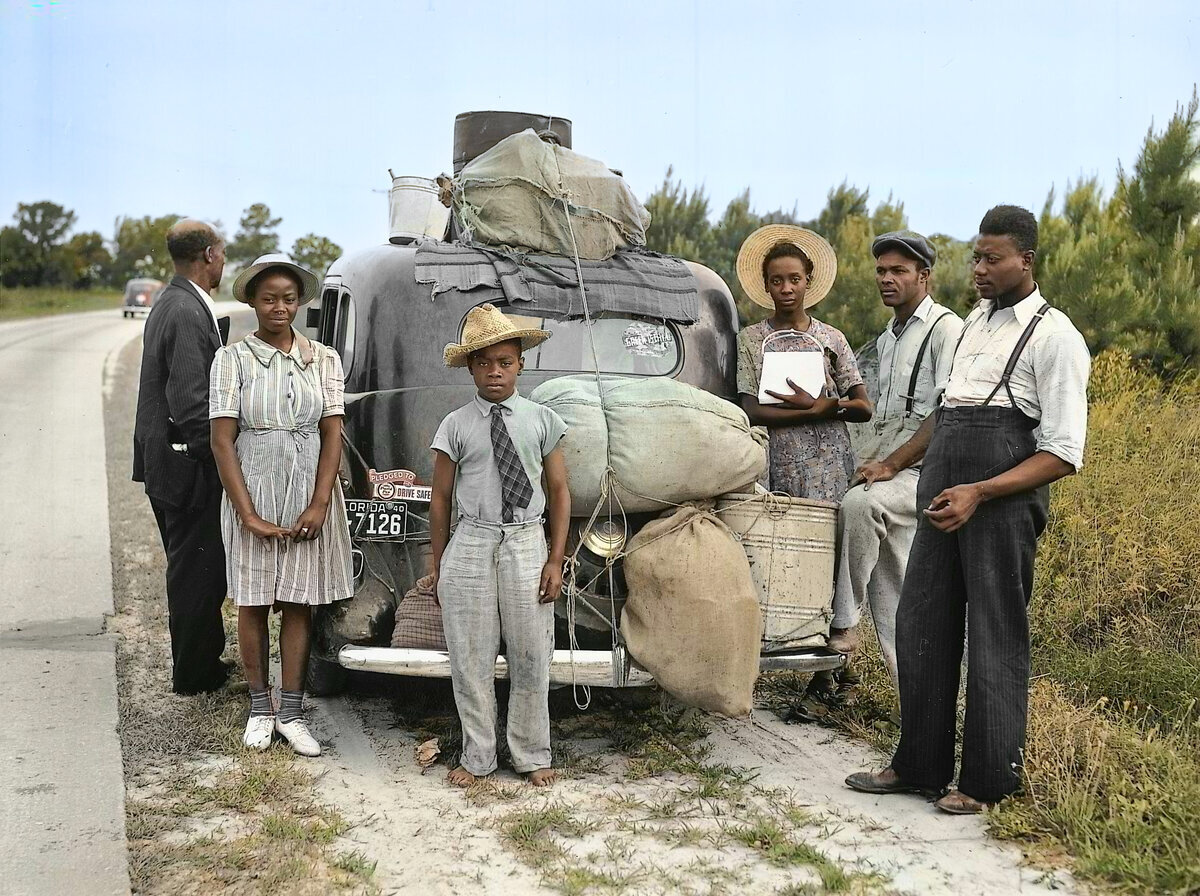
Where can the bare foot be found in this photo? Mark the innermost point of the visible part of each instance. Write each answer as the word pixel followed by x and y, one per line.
pixel 460 777
pixel 542 777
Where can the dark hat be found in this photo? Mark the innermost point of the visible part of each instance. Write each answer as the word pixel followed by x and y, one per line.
pixel 912 244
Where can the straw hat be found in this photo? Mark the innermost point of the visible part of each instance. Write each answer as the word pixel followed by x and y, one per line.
pixel 484 326
pixel 309 284
pixel 758 244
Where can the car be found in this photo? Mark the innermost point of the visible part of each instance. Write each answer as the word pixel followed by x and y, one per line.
pixel 390 330
pixel 140 294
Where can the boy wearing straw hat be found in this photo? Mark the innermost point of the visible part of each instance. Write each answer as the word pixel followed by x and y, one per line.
pixel 497 577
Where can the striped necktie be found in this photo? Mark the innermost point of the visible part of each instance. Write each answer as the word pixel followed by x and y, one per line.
pixel 515 488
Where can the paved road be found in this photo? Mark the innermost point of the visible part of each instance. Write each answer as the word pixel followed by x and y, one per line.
pixel 62 827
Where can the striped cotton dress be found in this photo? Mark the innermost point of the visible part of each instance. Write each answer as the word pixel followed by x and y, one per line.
pixel 278 399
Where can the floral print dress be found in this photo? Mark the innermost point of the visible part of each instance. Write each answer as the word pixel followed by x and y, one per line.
pixel 807 460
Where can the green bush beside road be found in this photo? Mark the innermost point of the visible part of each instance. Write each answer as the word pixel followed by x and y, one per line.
pixel 36 301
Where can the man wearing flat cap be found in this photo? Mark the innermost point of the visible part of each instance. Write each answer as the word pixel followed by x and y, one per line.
pixel 878 516
pixel 1012 419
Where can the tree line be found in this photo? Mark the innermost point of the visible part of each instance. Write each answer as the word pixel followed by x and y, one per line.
pixel 1125 266
pixel 40 249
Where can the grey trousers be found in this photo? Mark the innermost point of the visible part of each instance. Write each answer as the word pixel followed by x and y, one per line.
pixel 488 588
pixel 876 526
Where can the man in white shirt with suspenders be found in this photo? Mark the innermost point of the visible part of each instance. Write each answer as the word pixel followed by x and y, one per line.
pixel 878 517
pixel 1013 419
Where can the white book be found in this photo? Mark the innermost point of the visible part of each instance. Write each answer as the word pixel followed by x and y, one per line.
pixel 805 369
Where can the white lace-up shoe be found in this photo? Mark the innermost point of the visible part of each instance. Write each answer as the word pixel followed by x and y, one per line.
pixel 259 730
pixel 297 734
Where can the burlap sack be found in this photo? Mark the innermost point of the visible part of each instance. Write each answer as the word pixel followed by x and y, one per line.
pixel 419 619
pixel 692 617
pixel 512 196
pixel 667 442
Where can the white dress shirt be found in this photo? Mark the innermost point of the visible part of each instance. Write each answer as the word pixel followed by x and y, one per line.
pixel 898 353
pixel 208 303
pixel 1049 382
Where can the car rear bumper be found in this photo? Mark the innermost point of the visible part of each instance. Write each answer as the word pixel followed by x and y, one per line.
pixel 596 668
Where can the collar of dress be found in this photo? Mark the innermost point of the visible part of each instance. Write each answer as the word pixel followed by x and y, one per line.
pixel 302 350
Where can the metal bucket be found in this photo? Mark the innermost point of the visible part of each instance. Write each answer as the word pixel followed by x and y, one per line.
pixel 790 543
pixel 415 211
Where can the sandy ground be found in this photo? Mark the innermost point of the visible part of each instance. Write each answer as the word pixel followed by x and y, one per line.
pixel 610 827
pixel 430 838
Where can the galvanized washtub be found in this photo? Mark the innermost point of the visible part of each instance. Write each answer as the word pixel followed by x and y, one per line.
pixel 791 544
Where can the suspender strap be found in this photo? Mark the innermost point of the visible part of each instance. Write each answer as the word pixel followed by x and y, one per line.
pixel 911 397
pixel 1016 353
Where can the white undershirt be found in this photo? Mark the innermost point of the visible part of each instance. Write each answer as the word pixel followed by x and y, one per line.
pixel 208 303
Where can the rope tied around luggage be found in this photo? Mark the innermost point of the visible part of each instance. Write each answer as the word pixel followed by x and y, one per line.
pixel 609 505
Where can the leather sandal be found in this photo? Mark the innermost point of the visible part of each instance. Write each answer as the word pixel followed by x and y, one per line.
pixel 886 781
pixel 958 803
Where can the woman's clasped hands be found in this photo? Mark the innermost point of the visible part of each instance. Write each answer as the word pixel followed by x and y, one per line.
pixel 307 526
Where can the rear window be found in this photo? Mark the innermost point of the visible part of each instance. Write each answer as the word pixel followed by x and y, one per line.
pixel 144 288
pixel 638 346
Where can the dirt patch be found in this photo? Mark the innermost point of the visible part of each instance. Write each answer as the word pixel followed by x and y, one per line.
pixel 655 800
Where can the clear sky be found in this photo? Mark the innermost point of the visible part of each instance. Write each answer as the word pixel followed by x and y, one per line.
pixel 116 107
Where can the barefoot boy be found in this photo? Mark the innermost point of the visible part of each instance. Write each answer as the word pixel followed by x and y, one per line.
pixel 497 577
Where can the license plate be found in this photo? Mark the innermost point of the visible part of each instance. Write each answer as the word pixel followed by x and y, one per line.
pixel 377 520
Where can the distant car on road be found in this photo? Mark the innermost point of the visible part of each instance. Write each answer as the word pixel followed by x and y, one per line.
pixel 140 294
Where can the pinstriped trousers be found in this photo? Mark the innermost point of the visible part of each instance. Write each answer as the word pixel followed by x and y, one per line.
pixel 196 589
pixel 980 576
pixel 488 588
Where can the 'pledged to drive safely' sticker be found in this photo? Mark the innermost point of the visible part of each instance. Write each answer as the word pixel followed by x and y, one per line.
pixel 398 485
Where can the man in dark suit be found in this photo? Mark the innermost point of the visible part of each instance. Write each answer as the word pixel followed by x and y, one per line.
pixel 171 453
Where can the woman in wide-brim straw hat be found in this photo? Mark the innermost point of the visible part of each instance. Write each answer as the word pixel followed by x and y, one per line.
pixel 789 269
pixel 276 408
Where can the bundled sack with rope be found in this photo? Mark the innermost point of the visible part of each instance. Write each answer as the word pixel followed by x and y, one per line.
pixel 691 618
pixel 666 442
pixel 419 619
pixel 513 196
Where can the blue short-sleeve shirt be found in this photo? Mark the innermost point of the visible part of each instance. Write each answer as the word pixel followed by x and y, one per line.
pixel 465 436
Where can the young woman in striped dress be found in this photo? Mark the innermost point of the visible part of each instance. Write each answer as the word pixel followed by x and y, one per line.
pixel 276 413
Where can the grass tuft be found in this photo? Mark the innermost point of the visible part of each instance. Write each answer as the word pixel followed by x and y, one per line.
pixel 531 833
pixel 355 863
pixel 766 836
